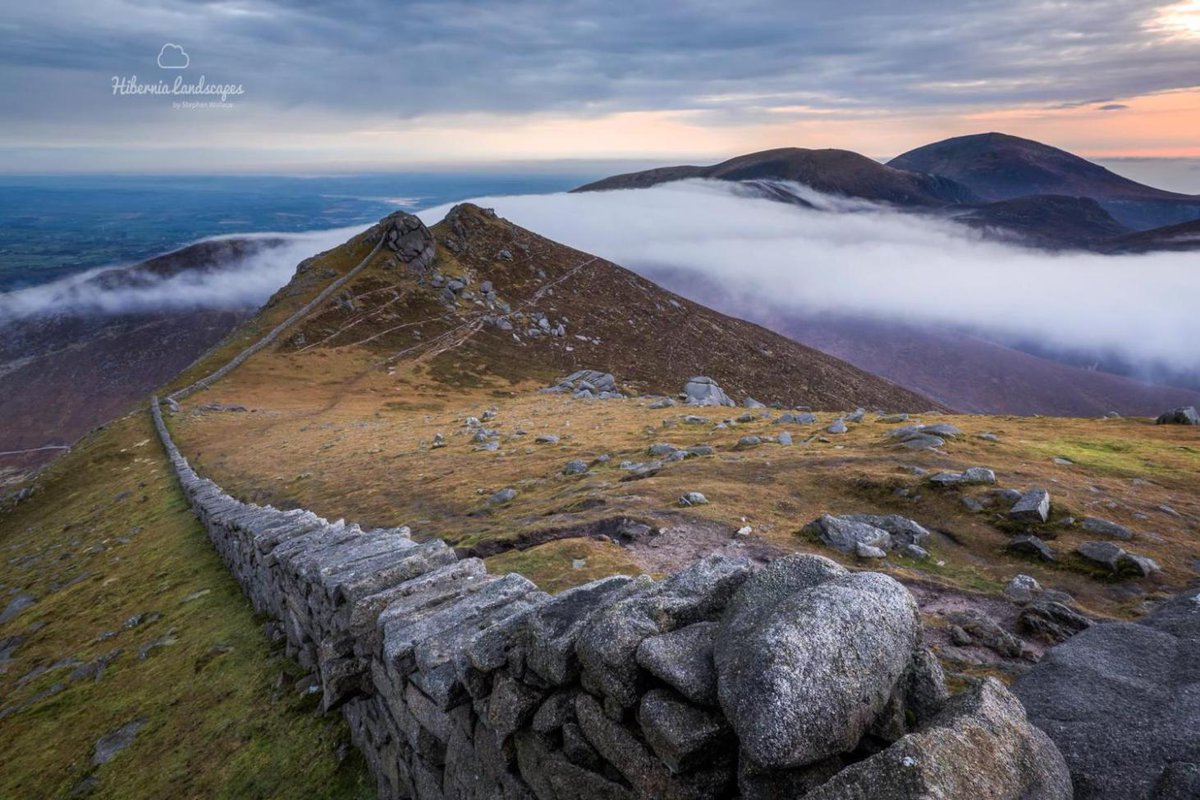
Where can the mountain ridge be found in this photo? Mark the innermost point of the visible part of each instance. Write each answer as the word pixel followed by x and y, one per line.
pixel 979 179
pixel 829 170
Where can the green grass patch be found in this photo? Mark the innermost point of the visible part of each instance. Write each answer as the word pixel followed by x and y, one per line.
pixel 108 536
pixel 1121 456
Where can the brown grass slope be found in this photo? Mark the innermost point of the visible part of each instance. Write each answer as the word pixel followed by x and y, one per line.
pixel 615 321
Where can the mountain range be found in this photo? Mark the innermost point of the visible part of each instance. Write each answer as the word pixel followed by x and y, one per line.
pixel 1013 188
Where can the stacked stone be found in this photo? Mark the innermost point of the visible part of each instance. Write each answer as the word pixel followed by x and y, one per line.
pixel 717 681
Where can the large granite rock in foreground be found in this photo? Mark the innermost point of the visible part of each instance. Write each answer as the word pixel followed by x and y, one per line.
pixel 980 747
pixel 1122 702
pixel 808 665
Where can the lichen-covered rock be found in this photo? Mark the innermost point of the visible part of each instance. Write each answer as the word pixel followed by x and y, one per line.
pixel 550 634
pixel 980 747
pixel 683 659
pixel 607 646
pixel 845 535
pixel 804 679
pixel 703 391
pixel 764 590
pixel 681 734
pixel 1120 700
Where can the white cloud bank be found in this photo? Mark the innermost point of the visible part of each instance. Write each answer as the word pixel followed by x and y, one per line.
pixel 243 283
pixel 879 263
pixel 775 257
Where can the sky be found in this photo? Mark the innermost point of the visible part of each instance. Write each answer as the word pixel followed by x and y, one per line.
pixel 371 84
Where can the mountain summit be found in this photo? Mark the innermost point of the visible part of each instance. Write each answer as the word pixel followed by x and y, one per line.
pixel 997 166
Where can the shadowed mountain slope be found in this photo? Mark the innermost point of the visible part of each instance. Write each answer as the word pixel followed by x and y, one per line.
pixel 66 370
pixel 1047 221
pixel 964 371
pixel 836 172
pixel 1184 236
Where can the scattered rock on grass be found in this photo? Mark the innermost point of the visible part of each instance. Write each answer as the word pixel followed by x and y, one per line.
pixel 801 418
pixel 1185 415
pixel 1022 588
pixel 1034 506
pixel 1105 528
pixel 16 606
pixel 506 495
pixel 704 391
pixel 1117 560
pixel 693 499
pixel 108 746
pixel 845 535
pixel 1030 545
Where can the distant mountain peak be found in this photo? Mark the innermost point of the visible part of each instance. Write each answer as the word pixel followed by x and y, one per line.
pixel 1000 166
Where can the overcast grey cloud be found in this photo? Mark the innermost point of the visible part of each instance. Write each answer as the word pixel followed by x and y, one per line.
pixel 386 63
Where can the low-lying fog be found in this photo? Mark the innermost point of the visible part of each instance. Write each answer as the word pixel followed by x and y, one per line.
pixel 879 263
pixel 773 258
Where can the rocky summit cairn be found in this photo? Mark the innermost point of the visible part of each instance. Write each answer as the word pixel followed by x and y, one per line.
pixel 702 391
pixel 411 241
pixel 1180 416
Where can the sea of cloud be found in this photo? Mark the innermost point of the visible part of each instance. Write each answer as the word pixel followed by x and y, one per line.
pixel 847 258
pixel 242 283
pixel 859 260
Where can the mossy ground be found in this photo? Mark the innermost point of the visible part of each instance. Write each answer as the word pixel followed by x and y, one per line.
pixel 106 537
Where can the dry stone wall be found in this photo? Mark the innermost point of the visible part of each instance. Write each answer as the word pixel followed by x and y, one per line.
pixel 717 681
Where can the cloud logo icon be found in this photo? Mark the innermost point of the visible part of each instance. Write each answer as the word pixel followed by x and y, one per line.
pixel 172 56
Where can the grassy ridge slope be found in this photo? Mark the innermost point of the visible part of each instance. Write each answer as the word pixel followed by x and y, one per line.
pixel 108 537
